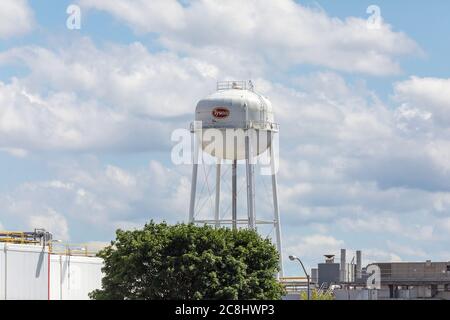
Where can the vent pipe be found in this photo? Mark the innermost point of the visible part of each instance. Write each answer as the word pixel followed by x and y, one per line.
pixel 343 265
pixel 358 264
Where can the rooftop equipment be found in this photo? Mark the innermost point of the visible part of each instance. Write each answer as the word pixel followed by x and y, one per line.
pixel 38 236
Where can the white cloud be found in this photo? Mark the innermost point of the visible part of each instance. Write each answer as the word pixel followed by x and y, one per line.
pixel 83 98
pixel 97 197
pixel 144 16
pixel 283 33
pixel 53 222
pixel 126 78
pixel 406 250
pixel 387 224
pixel 424 99
pixel 19 153
pixel 373 224
pixel 344 159
pixel 445 224
pixel 311 248
pixel 371 255
pixel 314 245
pixel 61 121
pixel 16 18
pixel 345 155
pixel 120 176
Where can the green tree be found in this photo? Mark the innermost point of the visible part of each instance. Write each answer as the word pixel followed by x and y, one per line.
pixel 189 262
pixel 317 295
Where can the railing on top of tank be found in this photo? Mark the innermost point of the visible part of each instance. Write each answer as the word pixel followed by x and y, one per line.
pixel 252 124
pixel 89 250
pixel 239 84
pixel 264 125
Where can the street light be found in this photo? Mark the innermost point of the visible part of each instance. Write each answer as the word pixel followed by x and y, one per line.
pixel 292 258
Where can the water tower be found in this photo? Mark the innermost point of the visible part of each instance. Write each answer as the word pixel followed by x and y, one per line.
pixel 242 123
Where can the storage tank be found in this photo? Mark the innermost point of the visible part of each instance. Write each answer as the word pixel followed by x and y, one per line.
pixel 233 108
pixel 236 123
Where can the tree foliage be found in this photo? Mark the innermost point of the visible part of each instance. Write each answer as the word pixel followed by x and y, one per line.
pixel 189 262
pixel 317 295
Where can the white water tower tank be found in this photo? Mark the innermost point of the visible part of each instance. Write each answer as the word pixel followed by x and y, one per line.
pixel 238 123
pixel 235 106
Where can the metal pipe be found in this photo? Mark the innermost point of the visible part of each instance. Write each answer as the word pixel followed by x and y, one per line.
pixel 358 264
pixel 343 266
pixel 250 184
pixel 196 149
pixel 217 208
pixel 60 277
pixel 193 191
pixel 234 194
pixel 5 248
pixel 48 273
pixel 194 178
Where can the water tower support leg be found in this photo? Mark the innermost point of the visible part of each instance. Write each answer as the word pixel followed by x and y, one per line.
pixel 234 195
pixel 250 184
pixel 276 209
pixel 193 191
pixel 217 209
pixel 194 182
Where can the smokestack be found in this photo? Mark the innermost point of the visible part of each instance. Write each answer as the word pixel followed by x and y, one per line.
pixel 358 264
pixel 343 265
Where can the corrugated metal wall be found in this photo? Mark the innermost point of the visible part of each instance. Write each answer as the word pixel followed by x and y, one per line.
pixel 25 274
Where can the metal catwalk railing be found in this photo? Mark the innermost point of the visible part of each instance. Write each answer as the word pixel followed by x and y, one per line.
pixel 236 84
pixel 40 237
pixel 86 250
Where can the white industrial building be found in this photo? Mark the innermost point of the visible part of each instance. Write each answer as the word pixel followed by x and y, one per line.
pixel 35 270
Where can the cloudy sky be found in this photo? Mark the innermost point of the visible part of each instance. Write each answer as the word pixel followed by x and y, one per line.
pixel 86 116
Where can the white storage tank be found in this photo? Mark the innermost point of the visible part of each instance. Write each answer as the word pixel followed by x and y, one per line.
pixel 236 123
pixel 29 272
pixel 235 106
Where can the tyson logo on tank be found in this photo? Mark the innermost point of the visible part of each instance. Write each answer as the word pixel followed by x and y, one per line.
pixel 220 113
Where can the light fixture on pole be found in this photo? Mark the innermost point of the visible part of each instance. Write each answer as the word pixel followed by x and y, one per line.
pixel 292 258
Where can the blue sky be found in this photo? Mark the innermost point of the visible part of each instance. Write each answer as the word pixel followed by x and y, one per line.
pixel 86 116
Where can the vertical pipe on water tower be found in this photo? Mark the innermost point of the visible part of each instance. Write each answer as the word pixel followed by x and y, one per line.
pixel 217 208
pixel 234 195
pixel 193 190
pixel 194 180
pixel 249 174
pixel 250 183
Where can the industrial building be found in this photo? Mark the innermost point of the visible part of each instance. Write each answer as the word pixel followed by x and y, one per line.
pixel 397 280
pixel 35 267
pixel 411 280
